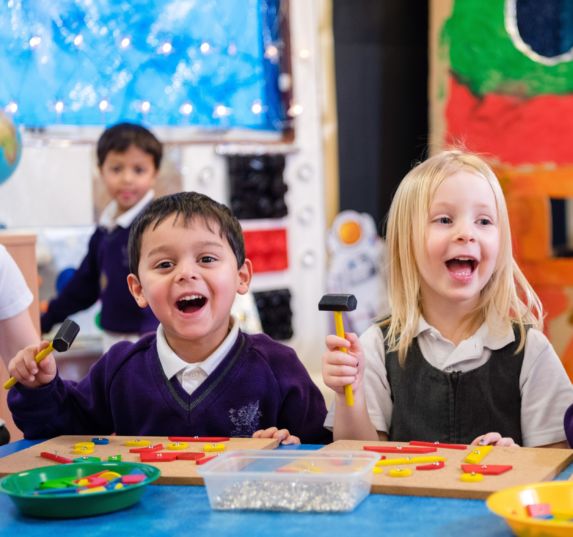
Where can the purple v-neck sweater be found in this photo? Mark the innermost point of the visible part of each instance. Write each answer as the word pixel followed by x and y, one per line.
pixel 259 384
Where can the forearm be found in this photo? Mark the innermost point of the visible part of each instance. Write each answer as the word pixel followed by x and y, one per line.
pixel 36 411
pixel 56 408
pixel 353 422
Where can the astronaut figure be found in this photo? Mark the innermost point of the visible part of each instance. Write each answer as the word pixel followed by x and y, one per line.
pixel 358 267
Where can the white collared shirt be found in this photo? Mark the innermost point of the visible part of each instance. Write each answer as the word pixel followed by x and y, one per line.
pixel 546 390
pixel 190 376
pixel 108 217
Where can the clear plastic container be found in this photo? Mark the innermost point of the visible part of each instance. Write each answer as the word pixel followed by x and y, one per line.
pixel 289 480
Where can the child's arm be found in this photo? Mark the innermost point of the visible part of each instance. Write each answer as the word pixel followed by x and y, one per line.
pixel 24 368
pixel 44 409
pixel 80 292
pixel 282 435
pixel 347 368
pixel 494 439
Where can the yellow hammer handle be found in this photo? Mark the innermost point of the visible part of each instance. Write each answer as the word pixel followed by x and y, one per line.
pixel 38 358
pixel 339 325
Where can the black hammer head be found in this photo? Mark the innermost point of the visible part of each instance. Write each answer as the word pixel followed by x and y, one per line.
pixel 65 335
pixel 337 303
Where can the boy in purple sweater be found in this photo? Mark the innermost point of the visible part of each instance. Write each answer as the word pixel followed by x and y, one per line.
pixel 198 374
pixel 128 157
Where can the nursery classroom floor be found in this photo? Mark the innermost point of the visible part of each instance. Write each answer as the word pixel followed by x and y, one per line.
pixel 167 510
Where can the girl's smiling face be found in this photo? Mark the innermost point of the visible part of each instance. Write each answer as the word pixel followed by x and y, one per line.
pixel 461 244
pixel 188 275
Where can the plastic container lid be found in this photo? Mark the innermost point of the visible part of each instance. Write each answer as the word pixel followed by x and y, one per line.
pixel 289 480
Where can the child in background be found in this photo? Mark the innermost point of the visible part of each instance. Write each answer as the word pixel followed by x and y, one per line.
pixel 462 357
pixel 199 374
pixel 16 327
pixel 128 157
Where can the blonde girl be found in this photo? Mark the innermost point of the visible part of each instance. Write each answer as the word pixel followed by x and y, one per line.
pixel 462 358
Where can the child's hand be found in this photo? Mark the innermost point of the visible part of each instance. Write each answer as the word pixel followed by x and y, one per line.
pixel 282 435
pixel 27 372
pixel 342 368
pixel 494 439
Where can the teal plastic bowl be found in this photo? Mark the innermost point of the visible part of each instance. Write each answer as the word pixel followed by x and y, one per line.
pixel 21 486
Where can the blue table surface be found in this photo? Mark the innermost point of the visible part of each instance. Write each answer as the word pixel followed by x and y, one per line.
pixel 179 510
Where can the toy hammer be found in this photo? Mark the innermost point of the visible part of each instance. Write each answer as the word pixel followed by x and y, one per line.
pixel 337 304
pixel 62 342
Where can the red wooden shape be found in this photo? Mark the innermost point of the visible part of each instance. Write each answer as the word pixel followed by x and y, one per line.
pixel 132 479
pixel 189 456
pixel 54 457
pixel 437 444
pixel 400 449
pixel 486 469
pixel 160 456
pixel 198 438
pixel 147 449
pixel 205 459
pixel 95 482
pixel 431 466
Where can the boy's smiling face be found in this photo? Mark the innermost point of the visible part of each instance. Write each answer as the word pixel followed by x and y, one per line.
pixel 128 176
pixel 189 277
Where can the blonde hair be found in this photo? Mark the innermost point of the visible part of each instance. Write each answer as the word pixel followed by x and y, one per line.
pixel 507 296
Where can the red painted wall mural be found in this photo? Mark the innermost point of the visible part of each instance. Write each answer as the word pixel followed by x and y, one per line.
pixel 507 92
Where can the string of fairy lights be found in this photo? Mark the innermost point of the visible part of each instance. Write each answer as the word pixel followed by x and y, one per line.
pixel 213 64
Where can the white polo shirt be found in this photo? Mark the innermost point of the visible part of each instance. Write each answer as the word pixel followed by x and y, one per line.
pixel 190 376
pixel 546 391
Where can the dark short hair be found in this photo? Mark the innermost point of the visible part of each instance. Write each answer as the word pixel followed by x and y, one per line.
pixel 121 136
pixel 187 205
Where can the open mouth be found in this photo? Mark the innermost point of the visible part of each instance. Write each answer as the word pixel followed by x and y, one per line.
pixel 462 267
pixel 191 303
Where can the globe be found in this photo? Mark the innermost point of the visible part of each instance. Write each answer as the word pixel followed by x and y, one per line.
pixel 10 147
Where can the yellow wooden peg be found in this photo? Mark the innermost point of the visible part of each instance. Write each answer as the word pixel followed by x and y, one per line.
pixel 478 454
pixel 213 448
pixel 471 477
pixel 177 446
pixel 82 450
pixel 400 472
pixel 109 475
pixel 84 444
pixel 394 462
pixel 137 443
